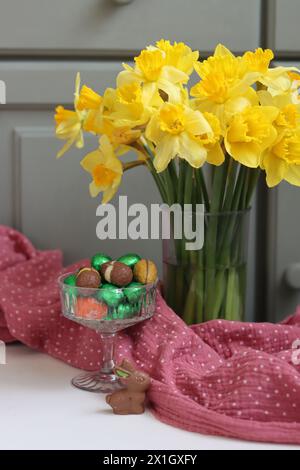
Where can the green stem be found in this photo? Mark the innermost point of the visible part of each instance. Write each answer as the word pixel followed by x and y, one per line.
pixel 211 240
pixel 156 176
pixel 200 180
pixel 170 187
pixel 181 180
pixel 231 177
pixel 253 179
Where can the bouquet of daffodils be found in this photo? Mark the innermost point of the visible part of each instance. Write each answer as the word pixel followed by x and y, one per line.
pixel 240 118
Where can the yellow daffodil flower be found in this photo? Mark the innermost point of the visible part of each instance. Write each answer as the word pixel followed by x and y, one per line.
pixel 179 55
pixel 88 99
pixel 289 113
pixel 281 80
pixel 250 133
pixel 121 136
pixel 99 115
pixel 69 123
pixel 277 80
pixel 121 115
pixel 258 61
pixel 282 160
pixel 225 85
pixel 174 130
pixel 152 71
pixel 105 169
pixel 93 104
pixel 129 108
pixel 211 140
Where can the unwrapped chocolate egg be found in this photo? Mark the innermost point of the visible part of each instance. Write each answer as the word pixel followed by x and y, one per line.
pixel 145 272
pixel 134 291
pixel 130 259
pixel 89 278
pixel 116 273
pixel 111 295
pixel 98 259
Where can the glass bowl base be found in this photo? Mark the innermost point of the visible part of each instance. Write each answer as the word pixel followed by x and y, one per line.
pixel 97 382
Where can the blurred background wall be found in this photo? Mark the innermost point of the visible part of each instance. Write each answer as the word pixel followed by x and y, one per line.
pixel 44 43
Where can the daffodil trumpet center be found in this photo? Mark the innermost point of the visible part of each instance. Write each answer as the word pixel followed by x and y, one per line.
pixel 151 62
pixel 172 119
pixel 103 176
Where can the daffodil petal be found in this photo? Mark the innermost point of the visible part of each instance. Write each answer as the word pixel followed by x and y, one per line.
pixel 65 148
pixel 215 155
pixel 196 124
pixel 94 189
pixel 247 154
pixel 91 160
pixel 165 151
pixel 150 90
pixel 275 169
pixel 174 75
pixel 106 146
pixel 221 50
pixel 239 103
pixel 127 76
pixel 293 175
pixel 153 131
pixel 80 141
pixel 109 193
pixel 191 151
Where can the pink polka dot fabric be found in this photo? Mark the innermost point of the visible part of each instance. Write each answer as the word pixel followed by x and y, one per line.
pixel 221 378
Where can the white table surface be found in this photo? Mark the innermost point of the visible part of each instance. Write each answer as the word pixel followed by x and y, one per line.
pixel 39 409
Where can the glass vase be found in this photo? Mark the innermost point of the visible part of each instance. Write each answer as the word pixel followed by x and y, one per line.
pixel 210 283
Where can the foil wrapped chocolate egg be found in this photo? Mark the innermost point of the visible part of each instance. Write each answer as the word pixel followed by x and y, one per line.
pixel 110 295
pixel 130 259
pixel 88 278
pixel 71 290
pixel 116 273
pixel 70 280
pixel 87 307
pixel 145 272
pixel 98 259
pixel 134 291
pixel 125 311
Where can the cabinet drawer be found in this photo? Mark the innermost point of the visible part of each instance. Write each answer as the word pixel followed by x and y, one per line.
pixel 104 27
pixel 287 25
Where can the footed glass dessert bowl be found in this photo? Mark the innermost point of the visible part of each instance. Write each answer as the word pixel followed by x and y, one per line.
pixel 107 310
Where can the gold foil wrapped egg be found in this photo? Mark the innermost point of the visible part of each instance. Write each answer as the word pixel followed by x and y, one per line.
pixel 145 272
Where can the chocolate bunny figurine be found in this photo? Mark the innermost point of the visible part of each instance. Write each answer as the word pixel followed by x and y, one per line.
pixel 132 399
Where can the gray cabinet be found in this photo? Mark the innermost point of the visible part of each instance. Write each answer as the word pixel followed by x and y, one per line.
pixel 287 17
pixel 44 43
pixel 104 27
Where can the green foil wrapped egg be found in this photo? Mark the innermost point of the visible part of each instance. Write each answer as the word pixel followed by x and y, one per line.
pixel 110 295
pixel 71 290
pixel 125 311
pixel 70 280
pixel 134 292
pixel 130 259
pixel 98 259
